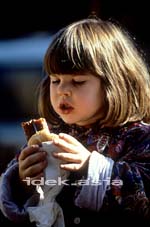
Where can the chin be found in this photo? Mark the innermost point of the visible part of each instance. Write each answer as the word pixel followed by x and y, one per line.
pixel 69 122
pixel 74 121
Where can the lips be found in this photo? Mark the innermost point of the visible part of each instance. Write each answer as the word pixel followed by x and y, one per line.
pixel 65 108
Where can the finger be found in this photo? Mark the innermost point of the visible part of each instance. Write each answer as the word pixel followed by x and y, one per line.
pixel 67 157
pixel 68 138
pixel 70 166
pixel 33 158
pixel 27 151
pixel 68 147
pixel 34 170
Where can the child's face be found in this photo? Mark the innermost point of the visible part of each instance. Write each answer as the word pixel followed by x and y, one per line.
pixel 77 99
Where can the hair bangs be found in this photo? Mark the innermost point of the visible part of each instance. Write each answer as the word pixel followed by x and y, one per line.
pixel 64 56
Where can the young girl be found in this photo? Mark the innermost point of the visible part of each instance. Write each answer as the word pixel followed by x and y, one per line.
pixel 96 96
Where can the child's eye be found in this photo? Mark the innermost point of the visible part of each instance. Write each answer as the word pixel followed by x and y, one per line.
pixel 55 81
pixel 78 82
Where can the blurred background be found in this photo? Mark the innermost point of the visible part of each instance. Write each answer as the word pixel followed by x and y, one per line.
pixel 25 32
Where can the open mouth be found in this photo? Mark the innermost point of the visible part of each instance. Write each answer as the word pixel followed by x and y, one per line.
pixel 65 108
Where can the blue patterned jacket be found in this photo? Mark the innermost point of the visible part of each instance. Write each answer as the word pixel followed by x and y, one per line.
pixel 114 184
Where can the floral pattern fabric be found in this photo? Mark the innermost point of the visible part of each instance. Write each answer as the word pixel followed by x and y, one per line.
pixel 129 147
pixel 129 190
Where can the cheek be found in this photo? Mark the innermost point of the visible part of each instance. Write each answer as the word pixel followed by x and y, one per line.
pixel 90 100
pixel 52 96
pixel 93 95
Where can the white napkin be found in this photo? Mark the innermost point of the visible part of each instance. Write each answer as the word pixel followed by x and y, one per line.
pixel 48 212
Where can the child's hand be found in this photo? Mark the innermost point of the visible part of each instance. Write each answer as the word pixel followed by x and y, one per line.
pixel 75 154
pixel 32 162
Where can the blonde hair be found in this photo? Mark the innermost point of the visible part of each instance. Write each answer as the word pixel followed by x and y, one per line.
pixel 103 49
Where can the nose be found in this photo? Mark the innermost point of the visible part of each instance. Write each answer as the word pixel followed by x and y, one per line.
pixel 64 89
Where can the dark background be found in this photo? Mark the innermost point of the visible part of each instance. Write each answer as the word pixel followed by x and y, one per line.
pixel 20 18
pixel 24 17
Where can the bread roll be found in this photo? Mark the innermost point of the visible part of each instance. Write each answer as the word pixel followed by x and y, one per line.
pixel 37 131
